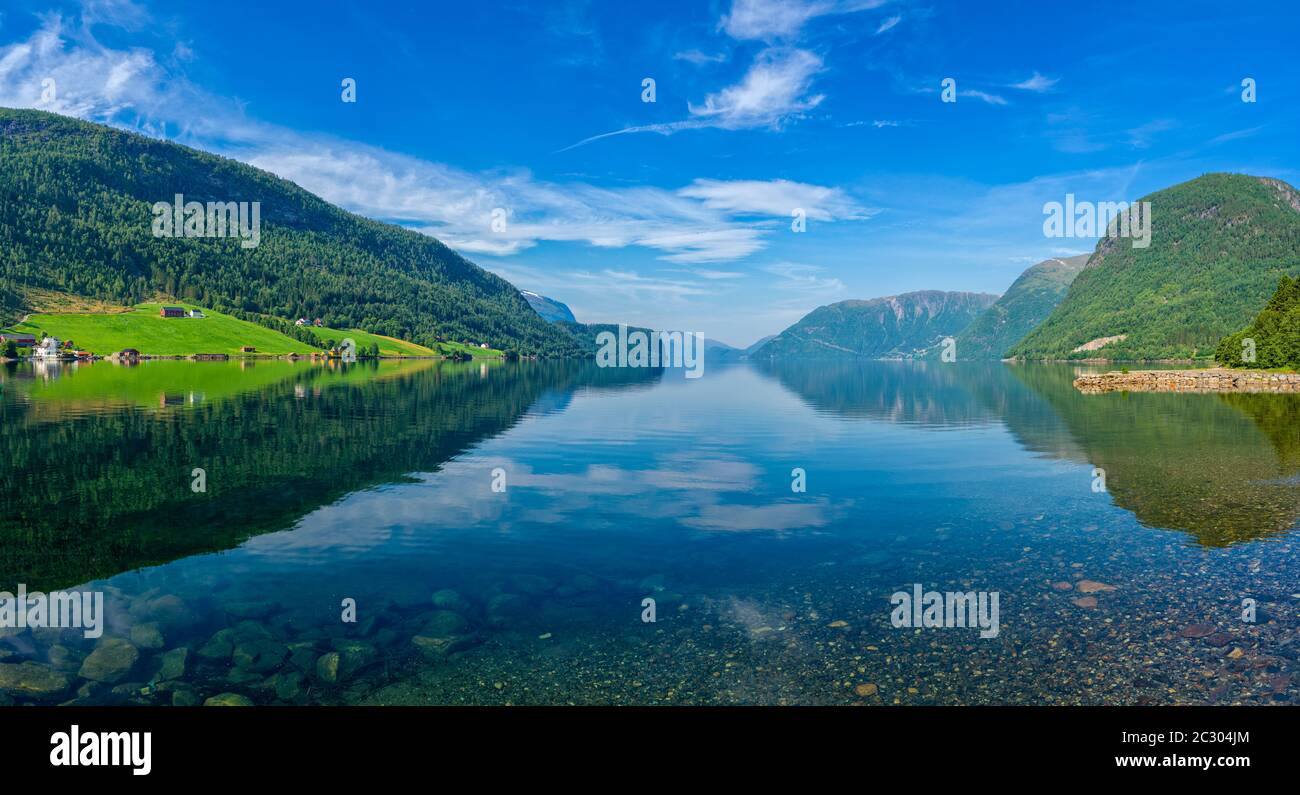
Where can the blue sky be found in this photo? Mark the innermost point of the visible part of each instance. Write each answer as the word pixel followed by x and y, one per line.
pixel 677 213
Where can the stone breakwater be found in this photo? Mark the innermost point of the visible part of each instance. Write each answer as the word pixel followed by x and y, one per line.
pixel 1216 380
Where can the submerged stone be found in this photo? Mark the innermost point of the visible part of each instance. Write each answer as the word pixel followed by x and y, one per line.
pixel 174 663
pixel 32 680
pixel 111 660
pixel 447 599
pixel 228 700
pixel 444 622
pixel 259 656
pixel 348 658
pixel 219 647
pixel 147 636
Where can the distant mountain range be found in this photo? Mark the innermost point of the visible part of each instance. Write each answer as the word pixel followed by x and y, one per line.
pixel 904 326
pixel 1220 243
pixel 77 221
pixel 1025 304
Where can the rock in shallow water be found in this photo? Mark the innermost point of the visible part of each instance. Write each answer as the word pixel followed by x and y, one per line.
pixel 111 660
pixel 447 599
pixel 173 664
pixel 228 700
pixel 349 657
pixel 258 656
pixel 444 622
pixel 219 647
pixel 148 635
pixel 32 680
pixel 1196 631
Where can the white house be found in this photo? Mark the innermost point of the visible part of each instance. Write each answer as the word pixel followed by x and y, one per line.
pixel 48 349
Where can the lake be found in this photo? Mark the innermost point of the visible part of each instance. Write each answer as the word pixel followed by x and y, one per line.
pixel 428 532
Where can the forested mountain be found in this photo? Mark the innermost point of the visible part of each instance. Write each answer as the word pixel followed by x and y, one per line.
pixel 1273 339
pixel 1025 304
pixel 76 217
pixel 1219 245
pixel 902 326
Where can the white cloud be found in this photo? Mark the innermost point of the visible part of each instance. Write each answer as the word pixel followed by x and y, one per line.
pixel 992 99
pixel 699 58
pixel 889 24
pixel 804 278
pixel 1037 83
pixel 774 89
pixel 1140 137
pixel 777 198
pixel 766 20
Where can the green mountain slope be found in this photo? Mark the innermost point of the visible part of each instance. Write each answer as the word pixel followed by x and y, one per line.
pixel 1026 303
pixel 1273 339
pixel 76 217
pixel 1219 245
pixel 894 327
pixel 141 328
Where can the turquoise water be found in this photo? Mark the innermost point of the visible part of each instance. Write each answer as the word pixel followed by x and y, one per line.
pixel 375 483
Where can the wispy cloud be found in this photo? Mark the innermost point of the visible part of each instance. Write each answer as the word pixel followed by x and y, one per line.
pixel 889 24
pixel 775 90
pixel 767 20
pixel 992 99
pixel 804 278
pixel 1140 137
pixel 777 198
pixel 1249 132
pixel 1037 83
pixel 699 58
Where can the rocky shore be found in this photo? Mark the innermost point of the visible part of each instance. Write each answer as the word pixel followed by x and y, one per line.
pixel 1211 380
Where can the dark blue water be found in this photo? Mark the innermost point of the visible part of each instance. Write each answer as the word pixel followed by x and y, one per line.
pixel 376 485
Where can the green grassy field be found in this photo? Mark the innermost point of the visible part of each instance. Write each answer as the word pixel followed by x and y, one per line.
pixel 391 346
pixel 449 348
pixel 388 346
pixel 141 328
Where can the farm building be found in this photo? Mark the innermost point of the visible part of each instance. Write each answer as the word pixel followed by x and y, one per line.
pixel 247 349
pixel 171 311
pixel 17 338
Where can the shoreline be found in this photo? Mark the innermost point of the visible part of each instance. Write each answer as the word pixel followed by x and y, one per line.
pixel 1207 380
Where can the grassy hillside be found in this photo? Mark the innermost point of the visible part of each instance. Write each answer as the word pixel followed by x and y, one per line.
pixel 76 217
pixel 1026 303
pixel 902 326
pixel 141 328
pixel 1219 245
pixel 388 346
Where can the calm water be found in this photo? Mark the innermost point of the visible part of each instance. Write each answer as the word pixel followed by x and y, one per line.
pixel 375 483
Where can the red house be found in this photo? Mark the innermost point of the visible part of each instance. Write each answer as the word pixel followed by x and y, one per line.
pixel 171 311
